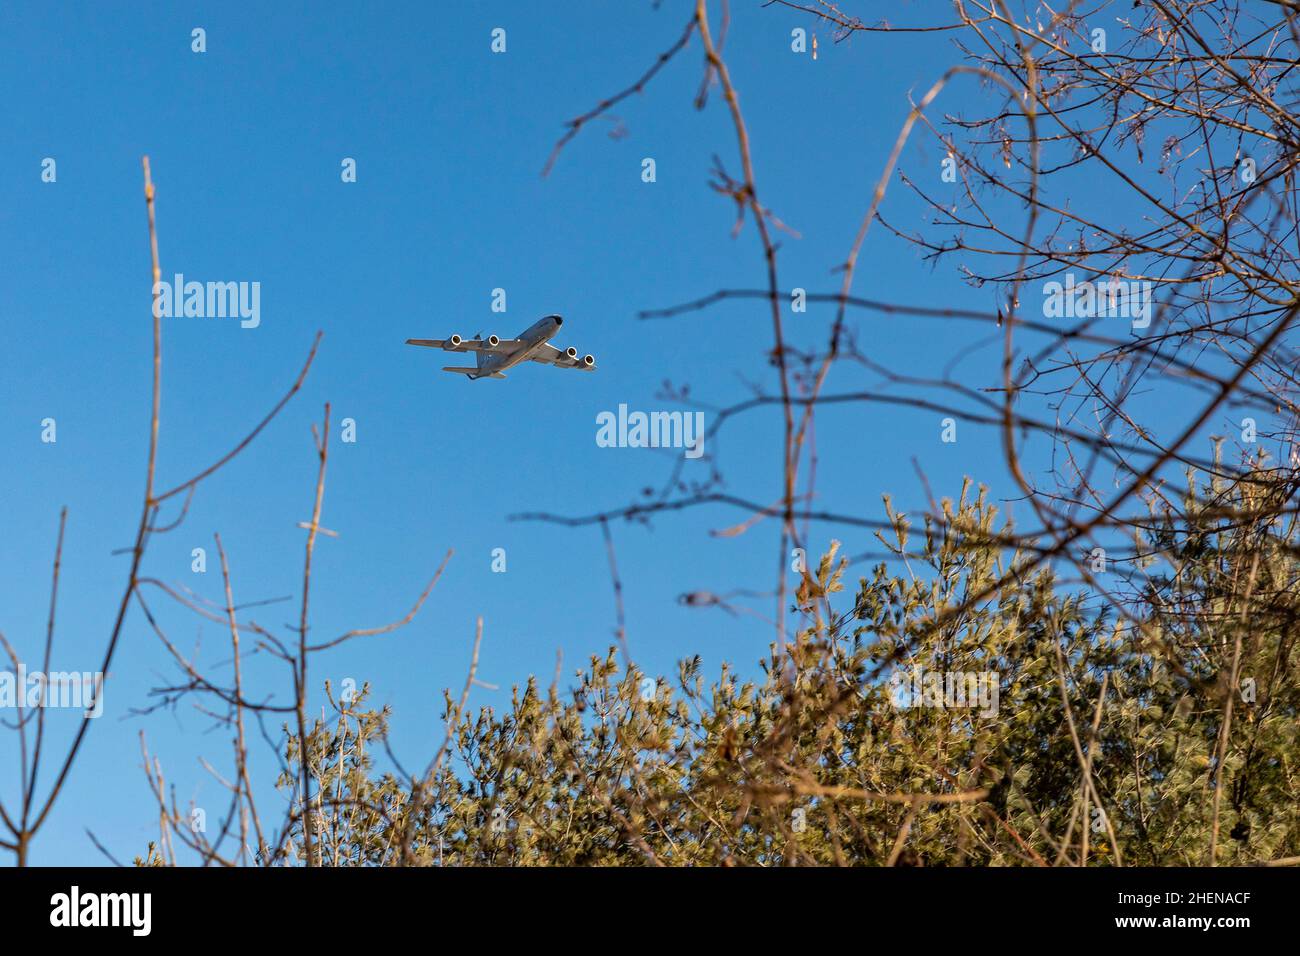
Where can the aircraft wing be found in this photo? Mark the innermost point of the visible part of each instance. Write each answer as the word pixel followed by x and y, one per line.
pixel 503 347
pixel 549 355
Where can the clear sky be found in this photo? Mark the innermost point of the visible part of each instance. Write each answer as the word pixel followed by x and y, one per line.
pixel 449 139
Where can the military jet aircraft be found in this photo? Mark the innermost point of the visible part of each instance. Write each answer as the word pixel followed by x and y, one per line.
pixel 494 355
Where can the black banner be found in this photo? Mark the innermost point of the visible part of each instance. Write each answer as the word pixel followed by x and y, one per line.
pixel 143 905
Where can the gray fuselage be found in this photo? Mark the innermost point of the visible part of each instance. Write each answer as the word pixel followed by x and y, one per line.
pixel 536 335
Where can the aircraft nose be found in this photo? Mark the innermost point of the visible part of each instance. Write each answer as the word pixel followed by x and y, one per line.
pixel 558 321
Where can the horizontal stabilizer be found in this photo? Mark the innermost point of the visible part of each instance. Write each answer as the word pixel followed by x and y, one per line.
pixel 471 372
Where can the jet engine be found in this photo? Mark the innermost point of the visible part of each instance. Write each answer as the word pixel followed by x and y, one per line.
pixel 589 360
pixel 493 341
pixel 455 341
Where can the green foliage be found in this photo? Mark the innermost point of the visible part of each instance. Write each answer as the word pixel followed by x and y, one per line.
pixel 813 762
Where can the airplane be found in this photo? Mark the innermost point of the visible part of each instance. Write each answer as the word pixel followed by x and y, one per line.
pixel 494 355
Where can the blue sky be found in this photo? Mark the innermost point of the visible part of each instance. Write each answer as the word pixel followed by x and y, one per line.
pixel 246 142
